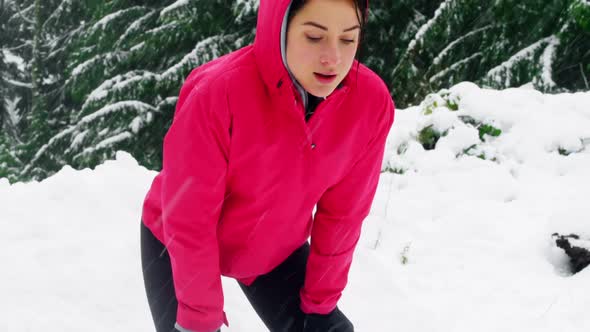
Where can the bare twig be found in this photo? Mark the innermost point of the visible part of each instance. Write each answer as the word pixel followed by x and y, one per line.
pixel 23 16
pixel 584 75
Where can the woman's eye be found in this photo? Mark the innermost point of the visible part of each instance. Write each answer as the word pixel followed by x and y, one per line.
pixel 317 39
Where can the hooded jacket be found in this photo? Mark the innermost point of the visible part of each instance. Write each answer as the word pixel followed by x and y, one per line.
pixel 243 170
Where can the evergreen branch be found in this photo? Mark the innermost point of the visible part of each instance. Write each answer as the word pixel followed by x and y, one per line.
pixel 63 40
pixel 19 12
pixel 168 26
pixel 546 79
pixel 455 66
pixel 525 53
pixel 18 83
pixel 100 24
pixel 133 27
pixel 419 37
pixel 176 5
pixel 455 42
pixel 56 12
pixel 14 155
pixel 116 83
pixel 11 110
pixel 101 113
pixel 88 64
pixel 584 76
pixel 14 48
pixel 106 143
pixel 198 56
pixel 245 8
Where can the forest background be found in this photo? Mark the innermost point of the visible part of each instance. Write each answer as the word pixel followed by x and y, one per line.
pixel 82 79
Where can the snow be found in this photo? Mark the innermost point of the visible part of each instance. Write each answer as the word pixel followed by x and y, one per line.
pixel 107 19
pixel 116 84
pixel 525 53
pixel 245 7
pixel 456 42
pixel 85 65
pixel 455 66
pixel 17 83
pixel 418 39
pixel 64 8
pixel 171 27
pixel 173 7
pixel 455 243
pixel 10 57
pixel 196 56
pixel 122 106
pixel 135 27
pixel 91 63
pixel 547 61
pixel 12 111
pixel 106 143
pixel 137 47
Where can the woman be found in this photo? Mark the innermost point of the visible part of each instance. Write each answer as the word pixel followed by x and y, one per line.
pixel 245 163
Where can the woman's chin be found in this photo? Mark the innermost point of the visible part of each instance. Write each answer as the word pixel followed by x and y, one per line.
pixel 320 90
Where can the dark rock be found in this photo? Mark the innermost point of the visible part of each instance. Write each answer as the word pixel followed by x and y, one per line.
pixel 579 256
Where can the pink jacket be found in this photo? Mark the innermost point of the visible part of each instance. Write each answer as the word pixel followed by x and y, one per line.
pixel 243 171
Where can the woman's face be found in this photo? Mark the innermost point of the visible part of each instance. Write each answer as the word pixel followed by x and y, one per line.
pixel 322 38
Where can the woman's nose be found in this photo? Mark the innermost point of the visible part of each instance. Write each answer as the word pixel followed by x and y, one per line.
pixel 331 56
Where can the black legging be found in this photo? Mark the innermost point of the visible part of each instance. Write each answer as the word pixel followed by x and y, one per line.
pixel 274 296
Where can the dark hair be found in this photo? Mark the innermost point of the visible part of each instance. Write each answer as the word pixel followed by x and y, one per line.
pixel 359 5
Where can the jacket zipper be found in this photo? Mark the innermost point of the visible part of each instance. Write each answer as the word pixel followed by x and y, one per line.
pixel 307 125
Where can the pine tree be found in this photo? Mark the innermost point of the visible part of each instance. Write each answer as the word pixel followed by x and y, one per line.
pixel 125 67
pixel 499 44
pixel 14 90
pixel 85 78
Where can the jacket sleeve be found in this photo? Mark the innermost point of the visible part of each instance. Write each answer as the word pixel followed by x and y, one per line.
pixel 337 222
pixel 195 160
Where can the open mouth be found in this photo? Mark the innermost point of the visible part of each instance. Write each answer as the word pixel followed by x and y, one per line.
pixel 324 78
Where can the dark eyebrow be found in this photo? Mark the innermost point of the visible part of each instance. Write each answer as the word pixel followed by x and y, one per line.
pixel 326 29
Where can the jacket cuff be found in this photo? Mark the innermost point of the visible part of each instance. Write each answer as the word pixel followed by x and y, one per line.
pixel 309 307
pixel 182 329
pixel 186 321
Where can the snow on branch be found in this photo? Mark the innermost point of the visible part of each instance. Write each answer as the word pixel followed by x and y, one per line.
pixel 455 66
pixel 134 27
pixel 172 26
pixel 57 12
pixel 455 42
pixel 104 144
pixel 10 57
pixel 505 67
pixel 12 111
pixel 173 7
pixel 115 84
pixel 122 106
pixel 21 13
pixel 116 107
pixel 92 62
pixel 244 8
pixel 18 83
pixel 546 79
pixel 419 38
pixel 103 22
pixel 205 50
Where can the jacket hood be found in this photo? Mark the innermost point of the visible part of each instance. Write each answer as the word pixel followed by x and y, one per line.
pixel 270 46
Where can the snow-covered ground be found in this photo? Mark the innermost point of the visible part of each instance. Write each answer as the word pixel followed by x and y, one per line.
pixel 461 241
